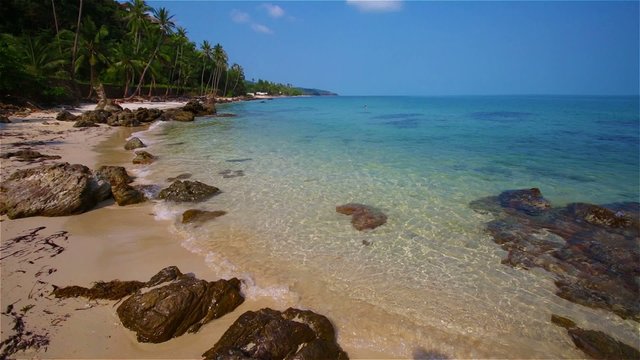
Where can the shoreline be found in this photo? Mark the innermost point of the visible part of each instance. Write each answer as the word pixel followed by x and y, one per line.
pixel 105 243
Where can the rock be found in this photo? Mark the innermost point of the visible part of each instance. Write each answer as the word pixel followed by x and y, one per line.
pixel 108 105
pixel 147 115
pixel 4 120
pixel 271 334
pixel 199 109
pixel 64 115
pixel 363 216
pixel 125 194
pixel 28 155
pixel 179 177
pixel 134 143
pixel 51 190
pixel 91 118
pixel 123 118
pixel 188 191
pixel 116 289
pixel 590 251
pixel 84 123
pixel 200 216
pixel 596 344
pixel 114 175
pixel 529 201
pixel 187 303
pixel 178 115
pixel 143 157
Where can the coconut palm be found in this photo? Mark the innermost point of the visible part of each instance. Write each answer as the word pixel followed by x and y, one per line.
pixel 74 52
pixel 206 54
pixel 220 60
pixel 137 20
pixel 93 50
pixel 125 62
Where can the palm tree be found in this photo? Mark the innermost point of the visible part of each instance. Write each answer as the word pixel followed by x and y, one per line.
pixel 240 74
pixel 93 49
pixel 179 39
pixel 126 62
pixel 40 54
pixel 206 55
pixel 164 26
pixel 75 45
pixel 220 61
pixel 137 20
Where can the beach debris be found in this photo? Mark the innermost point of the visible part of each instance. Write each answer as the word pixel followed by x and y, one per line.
pixel 4 120
pixel 134 143
pixel 271 334
pixel 143 157
pixel 590 250
pixel 188 191
pixel 123 118
pixel 177 115
pixel 596 344
pixel 51 190
pixel 199 109
pixel 31 245
pixel 22 339
pixel 363 216
pixel 182 176
pixel 200 216
pixel 183 305
pixel 28 155
pixel 65 115
pixel 230 174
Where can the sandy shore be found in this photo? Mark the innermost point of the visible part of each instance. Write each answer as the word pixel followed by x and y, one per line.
pixel 109 242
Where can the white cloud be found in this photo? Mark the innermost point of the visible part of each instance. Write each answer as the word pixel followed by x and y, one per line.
pixel 239 16
pixel 261 28
pixel 376 5
pixel 274 11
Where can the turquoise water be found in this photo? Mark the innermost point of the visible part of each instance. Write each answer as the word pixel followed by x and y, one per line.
pixel 431 279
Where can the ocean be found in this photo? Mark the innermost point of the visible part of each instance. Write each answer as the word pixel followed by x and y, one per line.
pixel 429 282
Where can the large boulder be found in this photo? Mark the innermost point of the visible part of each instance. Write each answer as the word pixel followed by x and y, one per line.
pixel 188 191
pixel 143 157
pixel 108 105
pixel 529 201
pixel 114 175
pixel 123 118
pixel 51 190
pixel 178 115
pixel 134 143
pixel 91 118
pixel 200 109
pixel 125 194
pixel 363 216
pixel 271 334
pixel 64 115
pixel 187 303
pixel 144 115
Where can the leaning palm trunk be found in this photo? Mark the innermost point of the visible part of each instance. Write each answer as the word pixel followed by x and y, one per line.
pixel 144 72
pixel 226 81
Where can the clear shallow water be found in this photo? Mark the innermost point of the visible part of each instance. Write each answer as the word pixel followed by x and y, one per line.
pixel 431 280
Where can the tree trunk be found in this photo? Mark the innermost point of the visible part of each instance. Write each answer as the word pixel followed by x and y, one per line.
pixel 75 45
pixel 126 84
pixel 226 81
pixel 236 84
pixel 91 80
pixel 144 72
pixel 55 20
pixel 202 77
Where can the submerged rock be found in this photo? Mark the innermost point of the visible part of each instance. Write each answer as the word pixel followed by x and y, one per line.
pixel 363 216
pixel 592 251
pixel 200 216
pixel 271 334
pixel 596 344
pixel 188 191
pixel 143 157
pixel 134 143
pixel 179 177
pixel 185 304
pixel 51 190
pixel 178 115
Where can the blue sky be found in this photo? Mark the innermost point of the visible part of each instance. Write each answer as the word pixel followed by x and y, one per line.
pixel 426 47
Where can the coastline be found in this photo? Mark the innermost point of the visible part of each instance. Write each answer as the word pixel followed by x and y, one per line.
pixel 105 243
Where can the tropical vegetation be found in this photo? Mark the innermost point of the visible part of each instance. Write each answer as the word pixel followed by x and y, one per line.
pixel 55 50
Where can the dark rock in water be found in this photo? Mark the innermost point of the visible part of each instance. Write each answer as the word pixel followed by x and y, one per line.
pixel 64 115
pixel 147 115
pixel 178 115
pixel 29 155
pixel 125 194
pixel 179 177
pixel 134 143
pixel 529 201
pixel 188 191
pixel 123 118
pixel 116 289
pixel 596 344
pixel 230 174
pixel 185 304
pixel 270 334
pixel 51 190
pixel 114 175
pixel 592 251
pixel 363 216
pixel 199 109
pixel 200 216
pixel 4 120
pixel 143 157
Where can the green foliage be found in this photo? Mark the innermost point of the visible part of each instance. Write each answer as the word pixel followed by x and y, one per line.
pixel 272 88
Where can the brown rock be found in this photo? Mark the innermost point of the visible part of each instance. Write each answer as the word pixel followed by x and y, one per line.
pixel 200 216
pixel 134 143
pixel 143 157
pixel 363 216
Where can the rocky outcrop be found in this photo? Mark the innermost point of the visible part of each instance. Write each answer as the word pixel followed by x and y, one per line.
pixel 92 118
pixel 177 115
pixel 108 105
pixel 134 143
pixel 199 109
pixel 51 190
pixel 271 334
pixel 114 175
pixel 363 216
pixel 591 251
pixel 147 115
pixel 64 115
pixel 183 305
pixel 28 155
pixel 123 193
pixel 200 216
pixel 190 191
pixel 143 157
pixel 596 344
pixel 123 118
